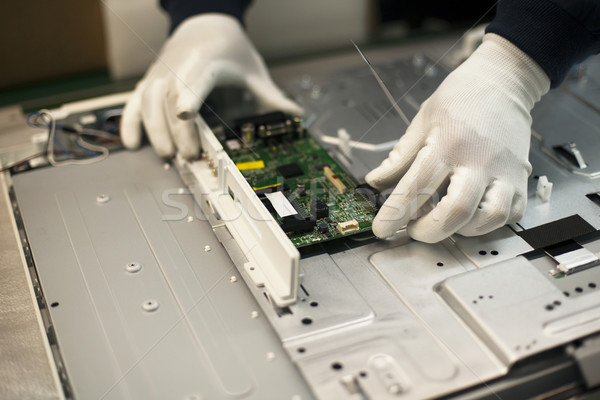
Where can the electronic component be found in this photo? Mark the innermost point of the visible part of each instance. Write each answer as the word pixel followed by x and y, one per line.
pixel 309 180
pixel 318 208
pixel 367 193
pixel 299 222
pixel 298 225
pixel 323 227
pixel 559 240
pixel 335 180
pixel 347 227
pixel 571 257
pixel 291 170
pixel 266 126
pixel 301 189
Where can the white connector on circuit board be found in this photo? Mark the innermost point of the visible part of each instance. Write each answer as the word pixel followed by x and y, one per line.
pixel 347 227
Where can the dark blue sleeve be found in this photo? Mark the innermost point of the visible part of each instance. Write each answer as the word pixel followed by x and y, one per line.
pixel 557 34
pixel 182 9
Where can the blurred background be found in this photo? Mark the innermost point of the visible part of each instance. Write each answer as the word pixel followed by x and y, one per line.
pixel 79 46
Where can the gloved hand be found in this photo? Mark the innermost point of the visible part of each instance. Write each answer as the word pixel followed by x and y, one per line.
pixel 204 51
pixel 475 131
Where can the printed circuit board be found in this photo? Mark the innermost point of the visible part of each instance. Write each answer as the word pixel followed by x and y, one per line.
pixel 308 193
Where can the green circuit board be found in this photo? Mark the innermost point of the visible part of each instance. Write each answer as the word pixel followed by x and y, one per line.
pixel 327 201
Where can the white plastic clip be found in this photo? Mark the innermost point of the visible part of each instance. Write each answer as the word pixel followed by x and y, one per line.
pixel 544 188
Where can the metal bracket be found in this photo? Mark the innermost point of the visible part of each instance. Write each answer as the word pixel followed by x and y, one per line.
pixel 587 357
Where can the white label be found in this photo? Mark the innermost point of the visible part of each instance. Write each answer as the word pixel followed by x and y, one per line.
pixel 233 144
pixel 283 207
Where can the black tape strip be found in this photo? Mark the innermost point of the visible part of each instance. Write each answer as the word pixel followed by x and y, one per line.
pixel 562 248
pixel 556 232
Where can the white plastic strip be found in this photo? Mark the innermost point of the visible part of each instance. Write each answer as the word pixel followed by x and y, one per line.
pixel 282 205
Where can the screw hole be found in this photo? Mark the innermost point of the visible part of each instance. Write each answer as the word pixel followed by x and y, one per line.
pixel 490 296
pixel 337 366
pixel 362 374
pixel 55 304
pixel 567 294
pixel 494 253
pixel 307 321
pixel 474 301
pixel 592 285
pixel 482 252
pixel 314 304
pixel 578 289
pixel 301 350
pixel 440 264
pixel 480 297
pixel 557 303
pixel 549 307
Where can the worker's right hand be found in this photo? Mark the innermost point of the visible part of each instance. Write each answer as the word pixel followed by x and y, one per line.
pixel 474 131
pixel 205 51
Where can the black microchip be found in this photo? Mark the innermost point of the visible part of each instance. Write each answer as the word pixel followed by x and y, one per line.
pixel 290 170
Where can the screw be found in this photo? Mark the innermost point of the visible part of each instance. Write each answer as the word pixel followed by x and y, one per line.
pixel 150 305
pixel 233 279
pixel 207 248
pixel 270 356
pixel 103 198
pixel 181 191
pixel 166 166
pixel 133 267
pixel 254 314
pixel 190 219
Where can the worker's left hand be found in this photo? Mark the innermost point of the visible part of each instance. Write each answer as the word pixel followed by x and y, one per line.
pixel 473 131
pixel 204 52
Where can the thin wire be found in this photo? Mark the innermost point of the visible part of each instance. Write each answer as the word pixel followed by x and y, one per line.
pixel 45 119
pixel 21 161
pixel 62 148
pixel 383 87
pixel 436 63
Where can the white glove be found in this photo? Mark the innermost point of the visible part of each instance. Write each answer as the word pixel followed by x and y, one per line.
pixel 205 51
pixel 475 131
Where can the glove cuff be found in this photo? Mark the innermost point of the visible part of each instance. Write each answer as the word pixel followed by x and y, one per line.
pixel 512 69
pixel 216 22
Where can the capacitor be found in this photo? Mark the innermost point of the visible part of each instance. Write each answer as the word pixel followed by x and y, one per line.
pixel 300 189
pixel 323 227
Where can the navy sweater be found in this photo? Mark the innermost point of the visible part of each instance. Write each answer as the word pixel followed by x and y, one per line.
pixel 557 34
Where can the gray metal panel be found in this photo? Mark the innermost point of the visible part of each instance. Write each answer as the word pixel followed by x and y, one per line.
pixel 518 310
pixel 203 339
pixel 26 366
pixel 377 312
pixel 398 316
